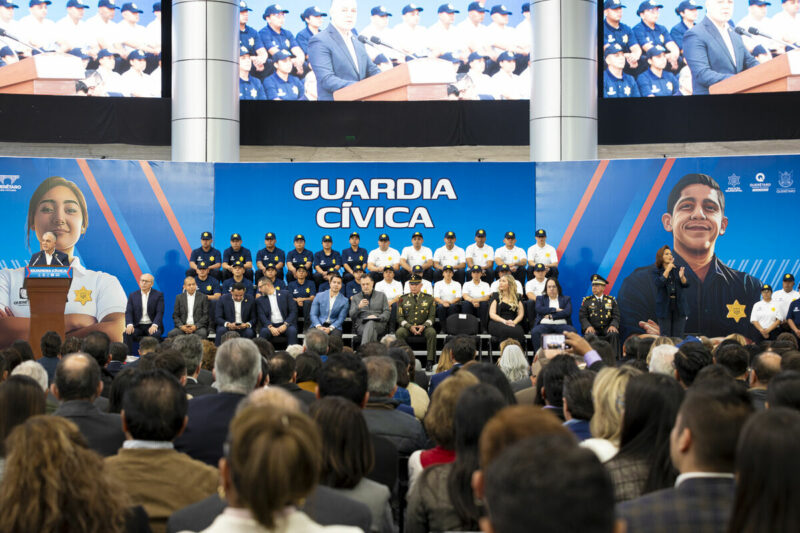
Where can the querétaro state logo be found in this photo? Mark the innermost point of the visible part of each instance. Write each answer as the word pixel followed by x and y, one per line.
pixel 8 183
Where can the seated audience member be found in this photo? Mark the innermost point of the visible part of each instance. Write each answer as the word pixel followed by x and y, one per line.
pixel 734 358
pixel 703 450
pixel 608 397
pixel 643 462
pixel 446 361
pixel 416 314
pixel 237 274
pixel 25 350
pixel 784 390
pixel 515 366
pixel 617 84
pixel 329 308
pixel 402 393
pixel 383 419
pixel 51 353
pixel 21 397
pixel 766 465
pixel 392 289
pixel 353 284
pixel 154 474
pixel 271 273
pixel 238 369
pixel 283 374
pixel 476 294
pixel 348 456
pixel 503 271
pixel 439 425
pixel 550 383
pixel 442 498
pixel 765 366
pixel 144 312
pixel 77 385
pixel 191 311
pixel 303 292
pixel 191 348
pixel 506 311
pixel 308 367
pixel 369 310
pixel 577 400
pixel 147 345
pixel 549 482
pixel 120 386
pixel 237 253
pixel 489 374
pixel 447 294
pixel 690 358
pixel 277 312
pixel 258 503
pixel 119 355
pixel 661 360
pixel 236 311
pixel 656 81
pixel 54 482
pixel 97 344
pixel 553 311
pixel 34 371
pixel 171 361
pixel 599 314
pixel 463 351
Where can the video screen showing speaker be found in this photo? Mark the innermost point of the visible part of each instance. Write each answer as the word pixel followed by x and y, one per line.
pixel 687 47
pixel 398 50
pixel 82 48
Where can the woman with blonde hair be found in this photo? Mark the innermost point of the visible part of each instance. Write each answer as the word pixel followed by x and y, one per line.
pixel 446 361
pixel 608 396
pixel 506 311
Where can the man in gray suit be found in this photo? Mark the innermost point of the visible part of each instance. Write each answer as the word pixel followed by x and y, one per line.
pixel 369 311
pixel 191 311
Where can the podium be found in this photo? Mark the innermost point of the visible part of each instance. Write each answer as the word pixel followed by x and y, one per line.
pixel 48 289
pixel 51 73
pixel 419 79
pixel 780 74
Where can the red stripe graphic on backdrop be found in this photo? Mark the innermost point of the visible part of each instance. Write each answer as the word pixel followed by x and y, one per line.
pixel 637 225
pixel 162 200
pixel 582 205
pixel 110 219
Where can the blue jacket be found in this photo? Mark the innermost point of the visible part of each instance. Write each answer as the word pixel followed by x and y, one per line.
pixel 286 305
pixel 662 299
pixel 155 308
pixel 319 310
pixel 333 64
pixel 708 57
pixel 225 312
pixel 39 259
pixel 543 308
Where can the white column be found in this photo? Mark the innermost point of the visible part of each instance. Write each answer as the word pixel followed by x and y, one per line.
pixel 564 95
pixel 205 80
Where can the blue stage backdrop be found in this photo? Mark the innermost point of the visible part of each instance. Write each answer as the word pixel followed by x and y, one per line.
pixel 142 217
pixel 610 218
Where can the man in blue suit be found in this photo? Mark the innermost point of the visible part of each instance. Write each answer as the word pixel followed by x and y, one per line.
pixel 277 312
pixel 144 313
pixel 49 256
pixel 235 312
pixel 713 51
pixel 336 56
pixel 329 308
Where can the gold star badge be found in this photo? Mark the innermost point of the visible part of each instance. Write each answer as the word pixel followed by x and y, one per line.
pixel 360 257
pixel 83 295
pixel 208 287
pixel 276 258
pixel 211 258
pixel 735 311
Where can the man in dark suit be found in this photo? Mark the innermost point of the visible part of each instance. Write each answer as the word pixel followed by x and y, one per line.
pixel 703 450
pixel 599 314
pixel 369 311
pixel 191 348
pixel 337 57
pixel 144 313
pixel 196 322
pixel 235 312
pixel 277 312
pixel 77 384
pixel 49 256
pixel 283 374
pixel 238 370
pixel 714 51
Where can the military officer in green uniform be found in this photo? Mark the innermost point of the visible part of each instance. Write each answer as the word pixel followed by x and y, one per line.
pixel 416 314
pixel 599 314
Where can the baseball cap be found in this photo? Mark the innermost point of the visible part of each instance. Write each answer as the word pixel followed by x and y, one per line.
pixel 766 287
pixel 613 4
pixel 510 235
pixel 540 232
pixel 388 267
pixel 476 6
pixel 383 237
pixel 505 268
pixel 301 266
pixel 648 4
pixel 656 50
pixel 271 265
pixel 788 277
pixel 476 268
pixel 6 51
pixel 280 55
pixel 610 49
pixel 411 7
pixel 473 57
pixel 358 268
pixel 269 235
pixel 416 234
pixel 107 3
pixel 327 238
pixel 380 59
pixel 136 54
pixel 538 267
pixel 687 4
pixel 447 8
pixel 243 7
pixel 312 11
pixel 104 53
pixel 299 237
pixel 156 7
pixel 480 232
pixel 450 235
pixel 206 235
pixel 236 237
pixel 448 56
pixel 526 8
pixel 37 2
pixel 448 267
pixel 380 11
pixel 505 56
pixel 500 8
pixel 274 9
pixel 355 234
pixel 238 263
pixel 133 8
pixel 76 3
pixel 6 3
pixel 760 3
pixel 416 268
pixel 202 265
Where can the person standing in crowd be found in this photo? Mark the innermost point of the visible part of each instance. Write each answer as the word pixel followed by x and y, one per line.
pixel 672 306
pixel 765 316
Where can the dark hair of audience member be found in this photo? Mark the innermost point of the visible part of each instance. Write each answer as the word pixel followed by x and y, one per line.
pixel 401 361
pixel 604 350
pixel 578 394
pixel 119 351
pixel 172 362
pixel 733 357
pixel 764 372
pixel 80 380
pixel 54 482
pixel 316 341
pixel 12 359
pixel 439 420
pixel 50 344
pixel 368 349
pixel 726 342
pixel 689 359
pixel 638 364
pixel 491 375
pixel 347 453
pixel 147 362
pixel 463 349
pixel 21 397
pixel 228 335
pixel 784 390
pixel 282 367
pixel 24 349
pixel 154 406
pixel 148 344
pixel 308 367
pixel 263 376
pixel 122 382
pixel 71 345
pixel 791 361
pixel 97 344
pixel 476 405
pixel 552 483
pixel 631 347
pixel 165 344
pixel 651 406
pixel 343 375
pixel 644 347
pixel 767 464
pixel 335 344
pixel 787 337
pixel 553 375
pixel 781 346
pixel 714 372
pixel 285 444
pixel 265 348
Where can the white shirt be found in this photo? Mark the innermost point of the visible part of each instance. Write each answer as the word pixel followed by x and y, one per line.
pixel 506 86
pixel 12 27
pixel 127 33
pixel 427 288
pixel 496 283
pixel 535 286
pixel 483 83
pixel 275 313
pixel 48 259
pixel 785 26
pixel 382 259
pixel 473 290
pixel 100 294
pixel 112 81
pixel 452 257
pixel 502 35
pixel 542 254
pixel 153 33
pixel 145 317
pixel 447 291
pixel 237 312
pixel 695 475
pixel 190 308
pixel 765 313
pixel 391 291
pixel 416 257
pixel 475 38
pixel 443 39
pixel 385 35
pixel 408 39
pixel 726 38
pixel 73 35
pixel 137 83
pixel 480 256
pixel 41 34
pixel 348 37
pixel 104 33
pixel 510 257
pixel 765 25
pixel 523 35
pixel 783 299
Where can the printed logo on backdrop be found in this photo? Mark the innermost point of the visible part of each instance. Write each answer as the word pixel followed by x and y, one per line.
pixel 760 185
pixel 346 198
pixel 785 182
pixel 733 183
pixel 8 183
